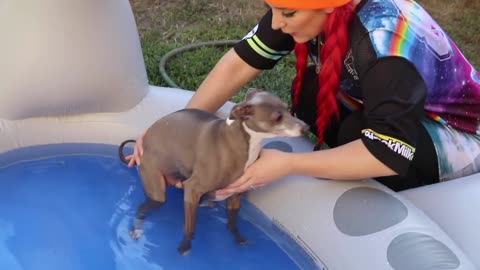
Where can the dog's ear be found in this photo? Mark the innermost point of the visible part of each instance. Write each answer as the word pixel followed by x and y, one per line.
pixel 251 92
pixel 242 111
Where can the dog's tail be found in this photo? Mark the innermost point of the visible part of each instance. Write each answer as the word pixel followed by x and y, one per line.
pixel 120 150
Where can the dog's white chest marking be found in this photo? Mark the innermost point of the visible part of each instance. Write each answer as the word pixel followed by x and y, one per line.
pixel 254 144
pixel 229 121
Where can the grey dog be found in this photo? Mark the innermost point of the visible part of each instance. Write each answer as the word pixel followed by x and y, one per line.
pixel 199 152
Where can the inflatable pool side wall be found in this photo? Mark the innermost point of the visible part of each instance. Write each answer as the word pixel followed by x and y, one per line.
pixel 69 57
pixel 72 71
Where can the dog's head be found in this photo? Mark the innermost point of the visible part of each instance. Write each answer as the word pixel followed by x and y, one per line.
pixel 265 112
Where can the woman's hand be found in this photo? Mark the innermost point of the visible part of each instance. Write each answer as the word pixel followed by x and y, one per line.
pixel 270 166
pixel 137 152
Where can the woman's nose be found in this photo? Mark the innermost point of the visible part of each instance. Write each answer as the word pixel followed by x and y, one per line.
pixel 277 20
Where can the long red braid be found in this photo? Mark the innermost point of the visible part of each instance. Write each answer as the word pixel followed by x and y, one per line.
pixel 331 56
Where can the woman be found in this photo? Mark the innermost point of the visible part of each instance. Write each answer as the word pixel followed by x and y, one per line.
pixel 389 92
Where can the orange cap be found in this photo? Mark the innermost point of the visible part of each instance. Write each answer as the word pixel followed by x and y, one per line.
pixel 307 4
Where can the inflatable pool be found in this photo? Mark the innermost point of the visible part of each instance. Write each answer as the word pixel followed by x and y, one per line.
pixel 74 86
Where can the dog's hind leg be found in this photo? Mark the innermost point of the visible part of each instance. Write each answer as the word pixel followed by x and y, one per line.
pixel 192 197
pixel 146 206
pixel 233 206
pixel 155 190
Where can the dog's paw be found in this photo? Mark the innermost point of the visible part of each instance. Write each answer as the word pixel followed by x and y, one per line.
pixel 136 233
pixel 184 248
pixel 241 241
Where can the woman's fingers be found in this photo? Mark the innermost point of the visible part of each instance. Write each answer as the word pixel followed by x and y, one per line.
pixel 137 152
pixel 244 187
pixel 239 182
pixel 239 186
pixel 222 194
pixel 139 148
pixel 131 160
pixel 139 143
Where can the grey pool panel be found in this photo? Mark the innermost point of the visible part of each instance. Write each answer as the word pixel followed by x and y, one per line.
pixel 363 210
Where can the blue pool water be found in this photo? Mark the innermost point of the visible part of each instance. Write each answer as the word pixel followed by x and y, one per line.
pixel 74 212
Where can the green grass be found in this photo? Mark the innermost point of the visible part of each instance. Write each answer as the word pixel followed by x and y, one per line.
pixel 460 19
pixel 168 24
pixel 176 23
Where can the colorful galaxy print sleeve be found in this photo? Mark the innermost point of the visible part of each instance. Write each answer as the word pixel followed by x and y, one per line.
pixel 263 47
pixel 403 28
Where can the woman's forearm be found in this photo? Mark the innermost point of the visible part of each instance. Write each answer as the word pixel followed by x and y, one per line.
pixel 351 161
pixel 225 79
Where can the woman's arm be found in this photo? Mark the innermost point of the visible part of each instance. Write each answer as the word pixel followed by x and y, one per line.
pixel 242 64
pixel 225 79
pixel 351 161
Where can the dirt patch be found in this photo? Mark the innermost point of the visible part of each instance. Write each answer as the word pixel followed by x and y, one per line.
pixel 166 14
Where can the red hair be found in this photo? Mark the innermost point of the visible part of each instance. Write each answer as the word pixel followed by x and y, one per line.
pixel 331 57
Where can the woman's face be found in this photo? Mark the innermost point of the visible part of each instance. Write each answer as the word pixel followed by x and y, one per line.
pixel 302 25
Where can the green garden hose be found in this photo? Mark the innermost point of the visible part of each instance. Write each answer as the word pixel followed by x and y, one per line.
pixel 166 57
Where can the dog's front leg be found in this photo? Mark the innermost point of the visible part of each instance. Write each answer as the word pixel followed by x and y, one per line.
pixel 233 206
